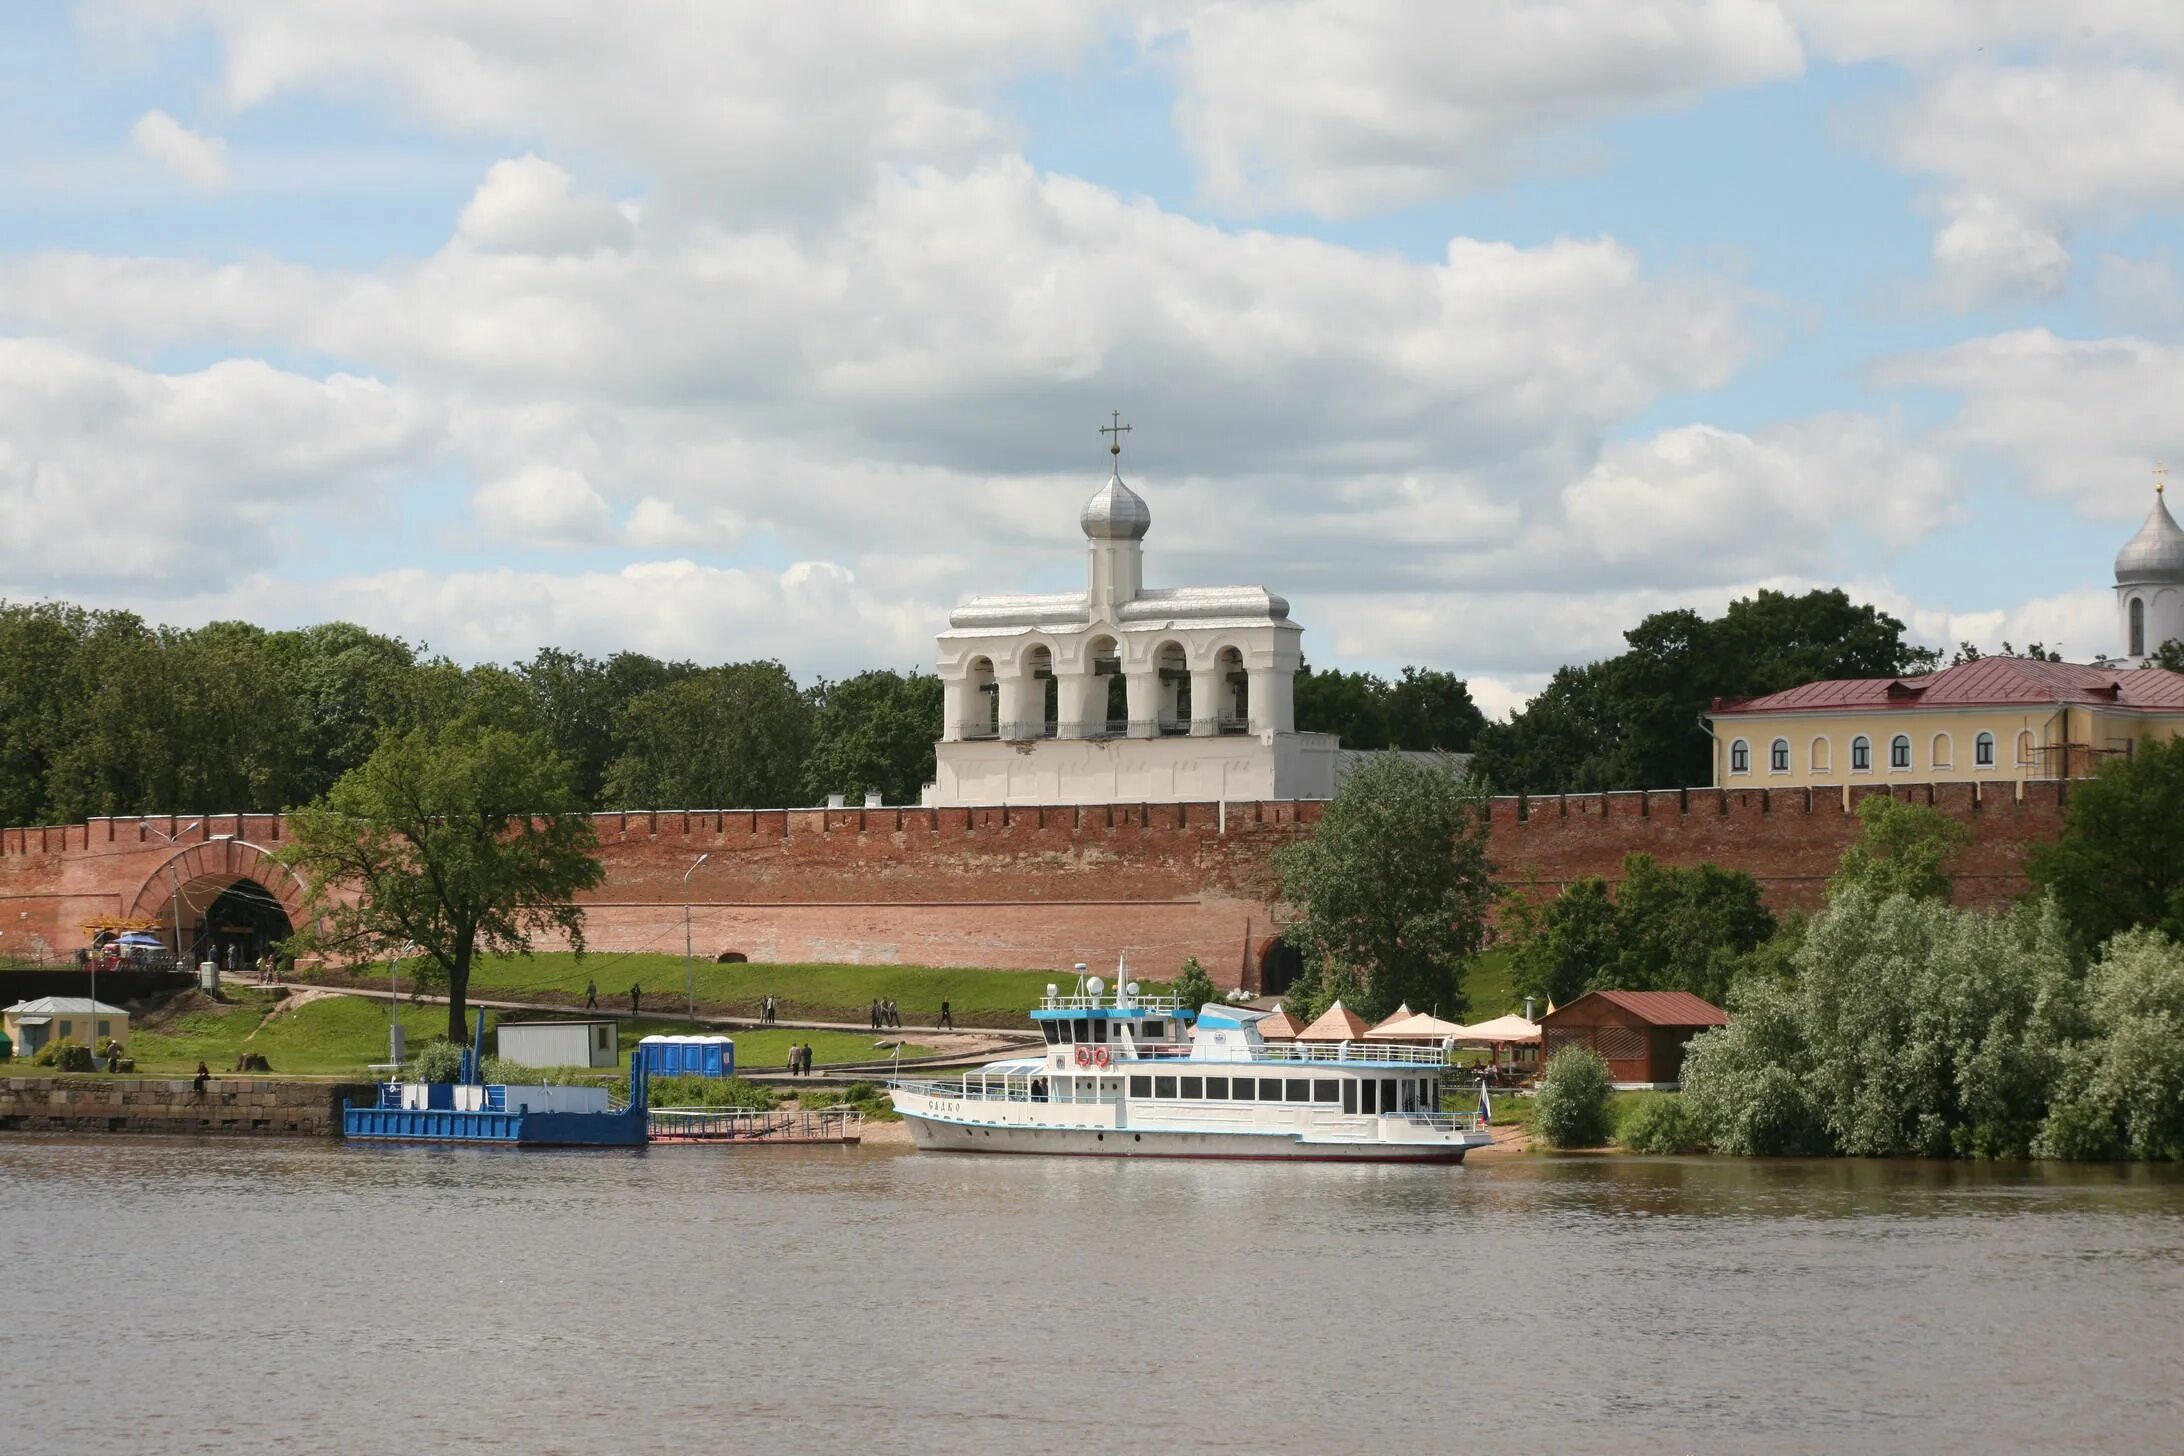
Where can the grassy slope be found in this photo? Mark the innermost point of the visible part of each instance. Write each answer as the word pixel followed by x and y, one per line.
pixel 805 992
pixel 341 1035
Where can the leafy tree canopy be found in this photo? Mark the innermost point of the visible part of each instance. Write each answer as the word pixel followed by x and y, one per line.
pixel 454 840
pixel 1901 849
pixel 1393 885
pixel 2119 862
pixel 1631 722
pixel 724 738
pixel 1662 928
pixel 873 733
pixel 1423 710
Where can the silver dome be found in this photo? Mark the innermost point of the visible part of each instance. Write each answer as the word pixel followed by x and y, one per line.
pixel 1118 513
pixel 2156 553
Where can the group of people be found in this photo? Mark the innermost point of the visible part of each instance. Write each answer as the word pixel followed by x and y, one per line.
pixel 766 1012
pixel 799 1059
pixel 885 1013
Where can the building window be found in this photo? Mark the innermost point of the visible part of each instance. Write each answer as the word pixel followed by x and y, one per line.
pixel 2138 627
pixel 1821 756
pixel 1899 752
pixel 1740 757
pixel 68 1029
pixel 1861 754
pixel 1943 752
pixel 1778 756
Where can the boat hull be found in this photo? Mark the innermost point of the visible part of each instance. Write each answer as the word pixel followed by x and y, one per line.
pixel 940 1136
pixel 525 1129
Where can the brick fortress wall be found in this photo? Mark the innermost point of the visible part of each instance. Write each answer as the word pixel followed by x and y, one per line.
pixel 1038 887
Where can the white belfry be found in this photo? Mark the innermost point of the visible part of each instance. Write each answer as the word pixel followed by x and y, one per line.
pixel 1123 693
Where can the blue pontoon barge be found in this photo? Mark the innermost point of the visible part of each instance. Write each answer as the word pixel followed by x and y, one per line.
pixel 470 1111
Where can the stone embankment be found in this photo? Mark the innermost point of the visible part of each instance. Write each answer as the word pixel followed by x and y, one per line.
pixel 243 1106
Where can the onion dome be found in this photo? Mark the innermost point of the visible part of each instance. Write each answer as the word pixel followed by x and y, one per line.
pixel 2156 554
pixel 1119 513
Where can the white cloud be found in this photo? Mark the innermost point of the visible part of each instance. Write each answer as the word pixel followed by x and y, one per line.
pixel 1341 107
pixel 2082 419
pixel 527 205
pixel 543 505
pixel 200 161
pixel 113 473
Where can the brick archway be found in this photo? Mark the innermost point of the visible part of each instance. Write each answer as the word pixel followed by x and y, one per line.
pixel 222 862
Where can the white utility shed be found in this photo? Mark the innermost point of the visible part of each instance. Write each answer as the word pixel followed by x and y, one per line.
pixel 561 1043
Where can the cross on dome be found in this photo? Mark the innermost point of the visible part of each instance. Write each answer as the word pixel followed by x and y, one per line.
pixel 1116 513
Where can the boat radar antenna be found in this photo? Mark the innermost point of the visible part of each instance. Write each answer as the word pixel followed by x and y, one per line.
pixel 1080 969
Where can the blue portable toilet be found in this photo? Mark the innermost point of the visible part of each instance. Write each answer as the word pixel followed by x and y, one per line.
pixel 688 1056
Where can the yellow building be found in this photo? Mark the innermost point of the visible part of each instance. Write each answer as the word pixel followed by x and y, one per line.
pixel 30 1025
pixel 2004 719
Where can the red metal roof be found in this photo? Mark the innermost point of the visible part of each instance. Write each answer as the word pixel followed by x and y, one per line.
pixel 1988 682
pixel 1659 1008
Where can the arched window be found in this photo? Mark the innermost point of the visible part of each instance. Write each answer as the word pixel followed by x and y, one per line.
pixel 1821 756
pixel 1899 751
pixel 1778 756
pixel 1232 691
pixel 1740 757
pixel 1861 754
pixel 1983 751
pixel 1942 752
pixel 2024 748
pixel 2138 626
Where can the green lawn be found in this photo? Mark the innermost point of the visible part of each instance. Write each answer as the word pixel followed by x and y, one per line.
pixel 804 992
pixel 342 1035
pixel 1488 987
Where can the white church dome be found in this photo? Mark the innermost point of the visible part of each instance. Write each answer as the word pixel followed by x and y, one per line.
pixel 2155 554
pixel 1119 513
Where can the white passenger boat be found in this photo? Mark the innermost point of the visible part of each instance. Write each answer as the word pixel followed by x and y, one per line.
pixel 1132 1076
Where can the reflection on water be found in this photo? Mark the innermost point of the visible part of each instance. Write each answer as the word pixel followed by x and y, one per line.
pixel 228 1296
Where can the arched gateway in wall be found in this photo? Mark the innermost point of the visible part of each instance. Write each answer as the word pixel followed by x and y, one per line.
pixel 230 894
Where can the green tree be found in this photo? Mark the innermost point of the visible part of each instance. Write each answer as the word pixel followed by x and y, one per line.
pixel 1662 929
pixel 873 733
pixel 1393 884
pixel 1632 721
pixel 578 702
pixel 1424 710
pixel 2169 655
pixel 1193 988
pixel 455 840
pixel 729 737
pixel 1901 849
pixel 1571 1107
pixel 1351 705
pixel 2121 1091
pixel 2119 862
pixel 1558 947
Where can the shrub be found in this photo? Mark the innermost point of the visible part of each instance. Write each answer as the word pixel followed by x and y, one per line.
pixel 438 1060
pixel 732 1092
pixel 1571 1108
pixel 1742 1084
pixel 2121 1090
pixel 1193 987
pixel 66 1056
pixel 1660 1123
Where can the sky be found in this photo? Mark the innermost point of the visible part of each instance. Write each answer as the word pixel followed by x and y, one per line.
pixel 724 330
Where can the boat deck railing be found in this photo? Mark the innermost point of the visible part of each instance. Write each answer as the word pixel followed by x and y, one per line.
pixel 748 1125
pixel 1289 1053
pixel 1441 1121
pixel 1014 1089
pixel 1156 1004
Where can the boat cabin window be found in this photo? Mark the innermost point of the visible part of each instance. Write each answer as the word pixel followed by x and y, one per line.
pixel 1194 1088
pixel 1270 1089
pixel 1051 1031
pixel 1349 1095
pixel 1155 1031
pixel 1164 1087
pixel 1323 1090
pixel 1217 1088
pixel 1369 1095
pixel 1099 1029
pixel 1083 1029
pixel 1141 1086
pixel 1300 1089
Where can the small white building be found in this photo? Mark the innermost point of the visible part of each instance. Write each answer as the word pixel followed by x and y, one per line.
pixel 560 1043
pixel 1124 693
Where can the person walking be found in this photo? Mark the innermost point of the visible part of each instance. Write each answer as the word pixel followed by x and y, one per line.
pixel 947 1016
pixel 591 995
pixel 796 1059
pixel 636 995
pixel 204 1075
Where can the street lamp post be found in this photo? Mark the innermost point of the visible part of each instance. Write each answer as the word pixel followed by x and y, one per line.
pixel 690 964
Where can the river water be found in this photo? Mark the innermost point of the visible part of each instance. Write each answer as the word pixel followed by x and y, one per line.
pixel 179 1296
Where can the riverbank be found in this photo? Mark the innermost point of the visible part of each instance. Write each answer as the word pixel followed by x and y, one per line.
pixel 228 1106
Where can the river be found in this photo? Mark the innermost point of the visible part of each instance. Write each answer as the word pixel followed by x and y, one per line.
pixel 229 1296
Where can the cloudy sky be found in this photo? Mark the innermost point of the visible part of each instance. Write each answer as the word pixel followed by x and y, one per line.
pixel 725 330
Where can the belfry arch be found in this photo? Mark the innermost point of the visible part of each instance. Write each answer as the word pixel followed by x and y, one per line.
pixel 229 892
